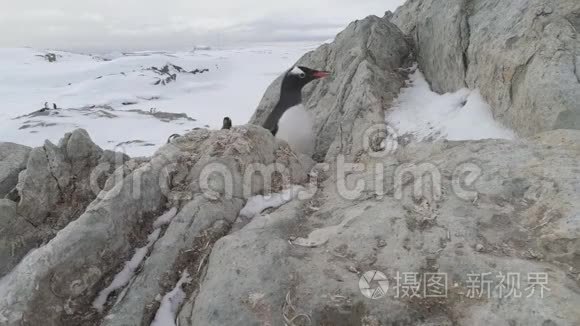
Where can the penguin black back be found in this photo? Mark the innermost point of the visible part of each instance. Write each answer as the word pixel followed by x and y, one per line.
pixel 227 123
pixel 291 93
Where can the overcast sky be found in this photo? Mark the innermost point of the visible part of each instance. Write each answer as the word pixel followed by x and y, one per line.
pixel 104 25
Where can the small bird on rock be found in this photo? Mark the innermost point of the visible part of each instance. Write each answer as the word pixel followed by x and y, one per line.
pixel 227 123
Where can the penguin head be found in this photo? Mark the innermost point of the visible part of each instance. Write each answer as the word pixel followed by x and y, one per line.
pixel 300 76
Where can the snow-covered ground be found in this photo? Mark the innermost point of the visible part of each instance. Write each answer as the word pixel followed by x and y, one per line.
pixel 426 115
pixel 123 99
pixel 113 96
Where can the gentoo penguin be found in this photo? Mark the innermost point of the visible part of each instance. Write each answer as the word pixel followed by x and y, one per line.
pixel 172 137
pixel 227 123
pixel 45 108
pixel 289 120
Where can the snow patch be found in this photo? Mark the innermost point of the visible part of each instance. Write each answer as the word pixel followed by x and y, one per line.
pixel 462 115
pixel 165 218
pixel 128 272
pixel 170 303
pixel 257 204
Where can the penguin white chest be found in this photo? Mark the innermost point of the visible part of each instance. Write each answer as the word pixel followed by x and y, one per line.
pixel 297 128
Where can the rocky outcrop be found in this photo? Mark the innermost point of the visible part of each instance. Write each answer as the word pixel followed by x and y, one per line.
pixel 13 159
pixel 17 236
pixel 202 174
pixel 58 183
pixel 50 57
pixel 170 71
pixel 365 60
pixel 53 186
pixel 522 55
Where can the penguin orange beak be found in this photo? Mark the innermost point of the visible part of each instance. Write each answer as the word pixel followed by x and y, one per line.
pixel 320 74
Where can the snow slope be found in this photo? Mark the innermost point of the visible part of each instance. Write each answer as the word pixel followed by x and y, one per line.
pixel 108 95
pixel 426 115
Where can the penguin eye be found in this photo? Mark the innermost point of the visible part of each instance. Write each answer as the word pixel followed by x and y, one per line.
pixel 301 75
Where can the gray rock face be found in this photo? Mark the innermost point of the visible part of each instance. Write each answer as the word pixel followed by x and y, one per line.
pixel 307 257
pixel 522 55
pixel 54 185
pixel 364 60
pixel 13 159
pixel 66 274
pixel 17 236
pixel 201 220
pixel 70 266
pixel 62 174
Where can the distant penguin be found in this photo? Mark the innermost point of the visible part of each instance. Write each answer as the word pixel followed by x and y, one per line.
pixel 227 123
pixel 172 137
pixel 45 108
pixel 289 120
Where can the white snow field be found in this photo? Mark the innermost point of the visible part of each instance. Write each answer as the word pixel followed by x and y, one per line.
pixel 126 100
pixel 427 116
pixel 113 96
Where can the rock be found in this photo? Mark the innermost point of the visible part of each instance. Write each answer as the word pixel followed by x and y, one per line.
pixel 64 173
pixel 197 224
pixel 526 68
pixel 84 256
pixel 163 116
pixel 85 251
pixel 569 139
pixel 55 185
pixel 13 158
pixel 518 209
pixel 50 57
pixel 364 60
pixel 17 236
